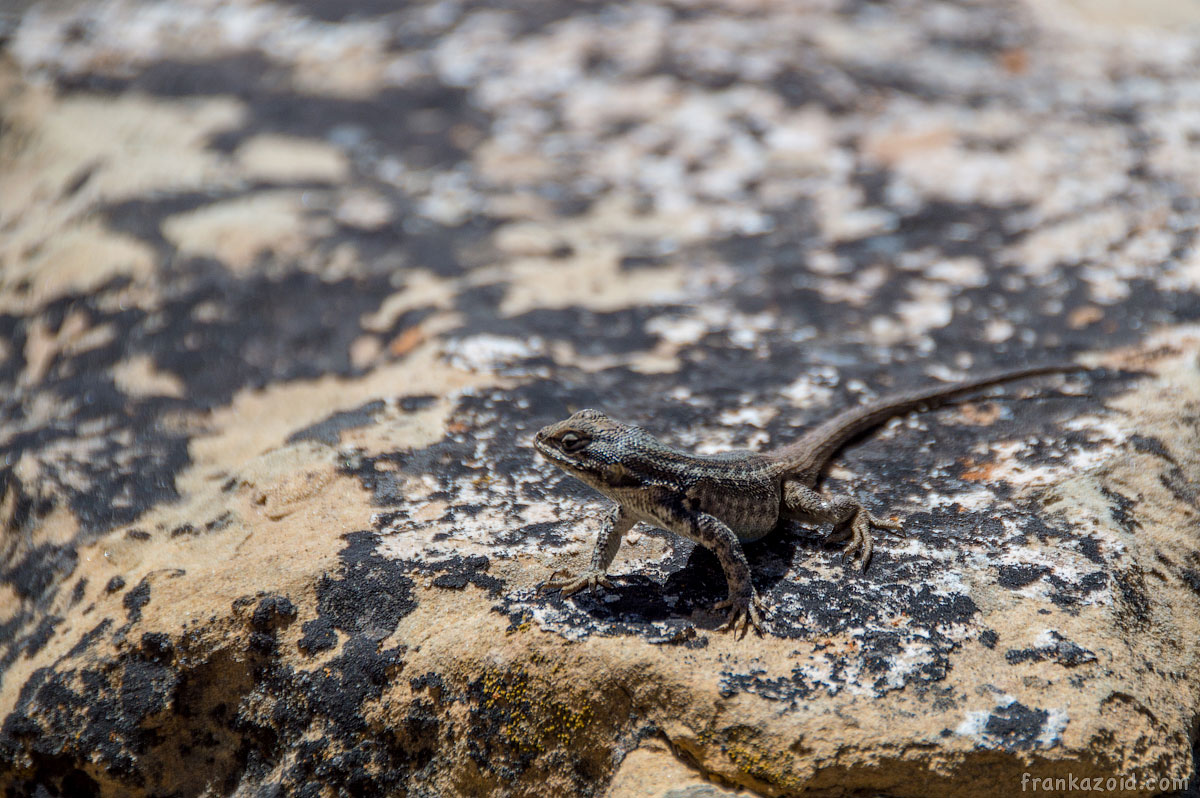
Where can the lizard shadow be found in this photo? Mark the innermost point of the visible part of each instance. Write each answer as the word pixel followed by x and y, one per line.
pixel 693 580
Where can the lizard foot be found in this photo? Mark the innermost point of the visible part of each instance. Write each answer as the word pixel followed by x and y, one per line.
pixel 859 533
pixel 571 585
pixel 743 614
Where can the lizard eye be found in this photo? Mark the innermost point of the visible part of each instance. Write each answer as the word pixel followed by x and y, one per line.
pixel 572 442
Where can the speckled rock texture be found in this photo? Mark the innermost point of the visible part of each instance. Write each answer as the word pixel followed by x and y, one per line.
pixel 287 287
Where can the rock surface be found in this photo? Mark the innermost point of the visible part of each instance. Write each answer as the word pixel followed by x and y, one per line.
pixel 285 289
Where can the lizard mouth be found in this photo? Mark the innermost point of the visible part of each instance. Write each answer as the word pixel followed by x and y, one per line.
pixel 554 455
pixel 550 453
pixel 545 449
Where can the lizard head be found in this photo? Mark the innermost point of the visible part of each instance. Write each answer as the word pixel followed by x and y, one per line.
pixel 591 446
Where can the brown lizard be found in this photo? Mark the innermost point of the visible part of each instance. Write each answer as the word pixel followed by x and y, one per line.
pixel 721 501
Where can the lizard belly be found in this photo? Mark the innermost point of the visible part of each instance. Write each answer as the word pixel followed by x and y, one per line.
pixel 750 510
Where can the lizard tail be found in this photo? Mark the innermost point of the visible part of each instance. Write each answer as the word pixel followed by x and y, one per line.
pixel 808 455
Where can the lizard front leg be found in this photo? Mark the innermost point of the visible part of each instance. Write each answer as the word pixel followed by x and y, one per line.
pixel 849 518
pixel 602 556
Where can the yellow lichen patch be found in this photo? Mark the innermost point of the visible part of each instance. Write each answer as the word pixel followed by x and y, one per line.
pixel 759 759
pixel 285 159
pixel 530 719
pixel 238 231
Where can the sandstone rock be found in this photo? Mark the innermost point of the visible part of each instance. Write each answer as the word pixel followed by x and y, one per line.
pixel 270 520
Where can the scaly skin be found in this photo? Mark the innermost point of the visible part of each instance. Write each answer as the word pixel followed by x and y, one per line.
pixel 721 501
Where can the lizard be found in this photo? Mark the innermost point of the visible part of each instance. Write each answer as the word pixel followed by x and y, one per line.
pixel 721 501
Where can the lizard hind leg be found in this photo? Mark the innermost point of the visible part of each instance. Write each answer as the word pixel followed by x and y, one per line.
pixel 851 521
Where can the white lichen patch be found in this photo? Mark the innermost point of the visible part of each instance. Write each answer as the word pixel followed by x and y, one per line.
pixel 491 353
pixel 754 416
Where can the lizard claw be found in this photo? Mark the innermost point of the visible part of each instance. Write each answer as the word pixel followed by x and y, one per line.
pixel 572 585
pixel 887 525
pixel 859 532
pixel 743 614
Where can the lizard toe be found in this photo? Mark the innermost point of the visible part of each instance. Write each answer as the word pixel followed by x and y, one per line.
pixel 743 615
pixel 569 586
pixel 888 524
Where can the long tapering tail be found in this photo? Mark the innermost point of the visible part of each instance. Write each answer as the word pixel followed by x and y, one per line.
pixel 809 454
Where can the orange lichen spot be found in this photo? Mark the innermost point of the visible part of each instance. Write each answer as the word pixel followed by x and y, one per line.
pixel 407 341
pixel 982 413
pixel 1015 61
pixel 976 471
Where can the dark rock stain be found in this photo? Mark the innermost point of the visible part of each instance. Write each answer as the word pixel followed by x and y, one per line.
pixel 368 597
pixel 136 599
pixel 329 431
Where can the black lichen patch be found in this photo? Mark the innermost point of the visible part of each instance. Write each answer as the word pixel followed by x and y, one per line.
pixel 96 633
pixel 409 121
pixel 368 597
pixel 270 329
pixel 272 613
pixel 136 599
pixel 780 688
pixel 593 333
pixel 36 573
pixel 230 713
pixel 157 647
pixel 88 714
pixel 1018 576
pixel 1015 727
pixel 1058 650
pixel 1121 509
pixel 329 431
pixel 1069 595
pixel 1133 601
pixel 411 404
pixel 1153 446
pixel 41 634
pixel 458 572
